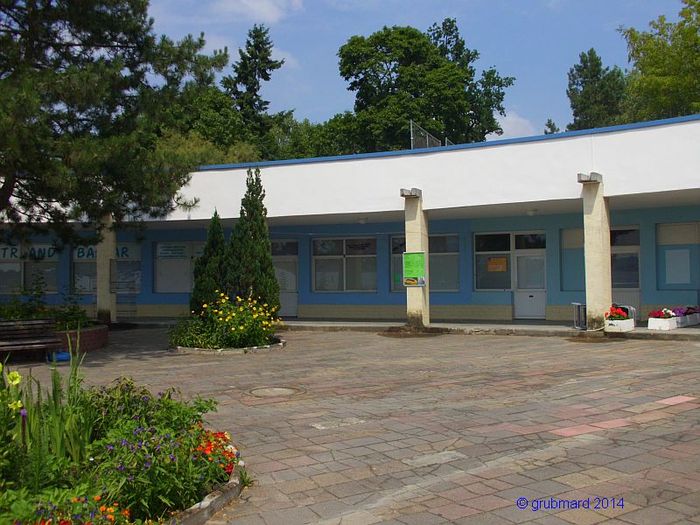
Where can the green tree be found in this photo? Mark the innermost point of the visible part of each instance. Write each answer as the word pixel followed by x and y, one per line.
pixel 595 92
pixel 83 92
pixel 665 77
pixel 255 65
pixel 400 74
pixel 249 258
pixel 209 268
pixel 551 127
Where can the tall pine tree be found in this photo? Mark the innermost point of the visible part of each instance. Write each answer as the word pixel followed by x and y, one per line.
pixel 209 269
pixel 249 258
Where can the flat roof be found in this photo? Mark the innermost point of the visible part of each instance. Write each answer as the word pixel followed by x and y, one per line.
pixel 454 147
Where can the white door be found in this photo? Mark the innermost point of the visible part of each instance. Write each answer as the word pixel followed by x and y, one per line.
pixel 530 294
pixel 286 271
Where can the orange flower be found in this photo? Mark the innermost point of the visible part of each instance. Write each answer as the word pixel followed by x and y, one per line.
pixel 110 517
pixel 103 508
pixel 97 498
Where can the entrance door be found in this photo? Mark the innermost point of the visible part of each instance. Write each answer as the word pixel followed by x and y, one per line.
pixel 286 270
pixel 530 294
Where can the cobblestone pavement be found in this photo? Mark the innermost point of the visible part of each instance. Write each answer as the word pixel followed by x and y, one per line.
pixel 447 429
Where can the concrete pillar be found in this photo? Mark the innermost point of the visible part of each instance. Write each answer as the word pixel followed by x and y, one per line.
pixel 106 251
pixel 596 230
pixel 416 227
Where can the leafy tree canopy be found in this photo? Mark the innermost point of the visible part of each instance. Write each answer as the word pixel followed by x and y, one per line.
pixel 595 92
pixel 85 89
pixel 400 74
pixel 665 77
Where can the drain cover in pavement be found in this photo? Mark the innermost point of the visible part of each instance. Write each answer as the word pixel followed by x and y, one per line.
pixel 274 391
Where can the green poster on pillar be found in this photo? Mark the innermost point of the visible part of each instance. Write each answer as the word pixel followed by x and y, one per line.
pixel 414 269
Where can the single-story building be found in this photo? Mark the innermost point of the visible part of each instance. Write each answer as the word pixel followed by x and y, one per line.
pixel 512 229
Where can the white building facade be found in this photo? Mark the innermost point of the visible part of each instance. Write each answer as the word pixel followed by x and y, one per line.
pixel 514 229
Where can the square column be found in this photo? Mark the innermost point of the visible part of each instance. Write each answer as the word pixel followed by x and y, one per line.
pixel 596 231
pixel 106 250
pixel 416 229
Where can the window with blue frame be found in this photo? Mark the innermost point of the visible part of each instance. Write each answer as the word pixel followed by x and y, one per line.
pixel 443 263
pixel 345 265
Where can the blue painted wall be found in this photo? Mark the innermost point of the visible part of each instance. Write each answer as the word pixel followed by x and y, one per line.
pixel 565 275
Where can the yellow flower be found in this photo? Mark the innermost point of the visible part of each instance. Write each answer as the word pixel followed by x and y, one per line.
pixel 14 378
pixel 222 294
pixel 15 405
pixel 265 305
pixel 204 305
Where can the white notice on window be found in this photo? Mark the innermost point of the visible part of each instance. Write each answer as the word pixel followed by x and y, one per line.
pixel 678 267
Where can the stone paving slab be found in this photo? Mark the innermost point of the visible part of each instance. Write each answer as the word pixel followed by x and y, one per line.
pixel 445 429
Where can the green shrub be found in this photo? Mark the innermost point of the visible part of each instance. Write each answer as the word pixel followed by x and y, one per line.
pixel 227 324
pixel 64 450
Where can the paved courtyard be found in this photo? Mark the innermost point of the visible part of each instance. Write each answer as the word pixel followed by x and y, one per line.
pixel 447 429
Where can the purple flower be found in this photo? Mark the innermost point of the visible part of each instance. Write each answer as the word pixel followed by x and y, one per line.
pixel 110 448
pixel 23 412
pixel 124 442
pixel 120 467
pixel 147 465
pixel 172 457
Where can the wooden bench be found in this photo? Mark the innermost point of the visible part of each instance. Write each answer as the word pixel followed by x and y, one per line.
pixel 36 336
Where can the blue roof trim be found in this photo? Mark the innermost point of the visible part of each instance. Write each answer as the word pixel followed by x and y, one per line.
pixel 439 149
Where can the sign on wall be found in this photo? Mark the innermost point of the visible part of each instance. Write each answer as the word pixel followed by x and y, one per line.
pixel 414 269
pixel 124 252
pixel 497 264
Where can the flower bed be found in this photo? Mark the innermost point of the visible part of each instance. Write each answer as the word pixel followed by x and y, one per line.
pixel 224 324
pixel 116 454
pixel 618 320
pixel 276 344
pixel 672 318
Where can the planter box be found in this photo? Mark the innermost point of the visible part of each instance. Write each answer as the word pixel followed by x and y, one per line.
pixel 622 325
pixel 91 338
pixel 663 324
pixel 694 319
pixel 683 321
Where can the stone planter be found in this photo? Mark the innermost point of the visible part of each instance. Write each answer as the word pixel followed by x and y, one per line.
pixel 663 324
pixel 91 338
pixel 201 512
pixel 619 325
pixel 694 319
pixel 683 321
pixel 279 344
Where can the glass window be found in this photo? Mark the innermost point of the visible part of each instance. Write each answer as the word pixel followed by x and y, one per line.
pixel 286 274
pixel 328 247
pixel 345 265
pixel 328 275
pixel 285 247
pixel 443 244
pixel 530 271
pixel 444 272
pixel 175 261
pixel 530 241
pixel 625 270
pixel 492 242
pixel 126 276
pixel 443 263
pixel 84 277
pixel 361 273
pixel 398 245
pixel 10 277
pixel 360 247
pixel 624 237
pixel 493 271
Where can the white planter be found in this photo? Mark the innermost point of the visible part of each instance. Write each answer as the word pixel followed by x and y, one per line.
pixel 683 321
pixel 694 318
pixel 663 324
pixel 622 325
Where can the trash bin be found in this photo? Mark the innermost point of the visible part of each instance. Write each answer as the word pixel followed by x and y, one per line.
pixel 579 316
